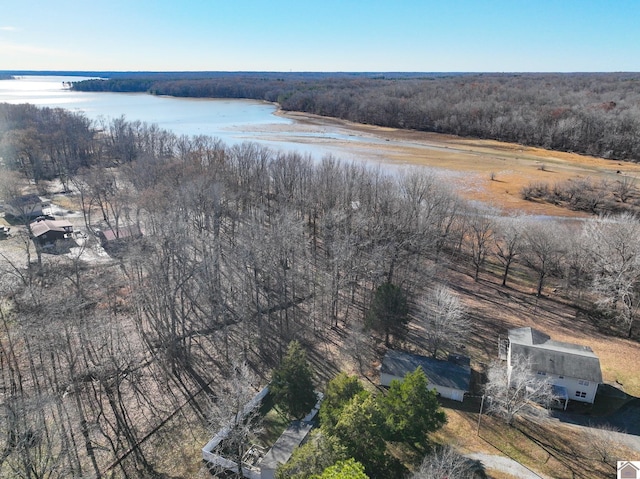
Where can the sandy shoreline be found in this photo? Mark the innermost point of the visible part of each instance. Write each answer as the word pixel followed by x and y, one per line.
pixel 470 163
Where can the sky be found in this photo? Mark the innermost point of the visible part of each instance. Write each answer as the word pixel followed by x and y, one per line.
pixel 321 35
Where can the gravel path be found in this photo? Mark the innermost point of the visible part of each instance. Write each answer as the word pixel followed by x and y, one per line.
pixel 504 464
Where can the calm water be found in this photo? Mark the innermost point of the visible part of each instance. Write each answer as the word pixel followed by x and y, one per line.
pixel 232 121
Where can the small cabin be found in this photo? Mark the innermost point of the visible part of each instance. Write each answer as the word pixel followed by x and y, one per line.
pixel 47 232
pixel 114 236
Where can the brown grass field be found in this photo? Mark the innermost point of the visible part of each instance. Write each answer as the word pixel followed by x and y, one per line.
pixel 470 163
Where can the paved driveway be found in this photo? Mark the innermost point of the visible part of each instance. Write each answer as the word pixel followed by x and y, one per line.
pixel 504 464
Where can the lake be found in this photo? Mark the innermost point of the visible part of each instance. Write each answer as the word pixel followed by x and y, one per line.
pixel 232 121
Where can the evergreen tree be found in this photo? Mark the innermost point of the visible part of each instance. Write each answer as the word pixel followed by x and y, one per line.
pixel 340 391
pixel 349 469
pixel 410 409
pixel 360 430
pixel 389 311
pixel 292 384
pixel 313 457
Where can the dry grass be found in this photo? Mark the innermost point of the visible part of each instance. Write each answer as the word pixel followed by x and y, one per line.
pixel 551 448
pixel 470 163
pixel 494 309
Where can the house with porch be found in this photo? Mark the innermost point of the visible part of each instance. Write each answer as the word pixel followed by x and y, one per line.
pixel 572 369
pixel 47 232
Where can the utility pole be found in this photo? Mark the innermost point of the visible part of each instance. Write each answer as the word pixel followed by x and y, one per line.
pixel 480 415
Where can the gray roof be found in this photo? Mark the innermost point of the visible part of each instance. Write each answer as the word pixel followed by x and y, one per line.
pixel 281 451
pixel 25 200
pixel 555 357
pixel 438 372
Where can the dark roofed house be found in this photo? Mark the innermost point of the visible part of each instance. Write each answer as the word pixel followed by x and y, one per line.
pixel 27 206
pixel 451 379
pixel 49 231
pixel 570 366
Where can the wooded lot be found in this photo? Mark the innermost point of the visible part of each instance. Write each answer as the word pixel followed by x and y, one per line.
pixel 244 250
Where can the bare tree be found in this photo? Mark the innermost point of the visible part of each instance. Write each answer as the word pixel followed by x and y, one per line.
pixel 624 188
pixel 512 391
pixel 479 236
pixel 445 322
pixel 509 242
pixel 445 461
pixel 233 414
pixel 601 441
pixel 615 254
pixel 543 250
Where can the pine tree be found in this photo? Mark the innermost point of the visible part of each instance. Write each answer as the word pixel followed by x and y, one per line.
pixel 292 383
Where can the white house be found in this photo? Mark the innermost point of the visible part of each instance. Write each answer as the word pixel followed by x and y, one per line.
pixel 450 378
pixel 27 206
pixel 572 369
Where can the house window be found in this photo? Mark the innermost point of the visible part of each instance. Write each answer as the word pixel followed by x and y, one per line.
pixel 542 373
pixel 583 383
pixel 581 394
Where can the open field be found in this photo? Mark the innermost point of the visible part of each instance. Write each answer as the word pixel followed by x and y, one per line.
pixel 469 163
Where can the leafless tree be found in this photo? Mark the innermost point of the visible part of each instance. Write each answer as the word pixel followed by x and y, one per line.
pixel 601 441
pixel 544 249
pixel 517 390
pixel 446 326
pixel 444 462
pixel 234 415
pixel 479 235
pixel 625 188
pixel 509 242
pixel 615 254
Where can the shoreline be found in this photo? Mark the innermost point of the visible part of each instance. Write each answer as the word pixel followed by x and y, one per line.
pixel 488 171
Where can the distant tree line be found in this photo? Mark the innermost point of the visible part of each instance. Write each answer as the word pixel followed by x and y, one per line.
pixel 591 113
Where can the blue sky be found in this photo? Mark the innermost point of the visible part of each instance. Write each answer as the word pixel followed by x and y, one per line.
pixel 323 35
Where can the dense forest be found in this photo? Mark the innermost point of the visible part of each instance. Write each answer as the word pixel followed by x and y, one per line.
pixel 244 250
pixel 590 113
